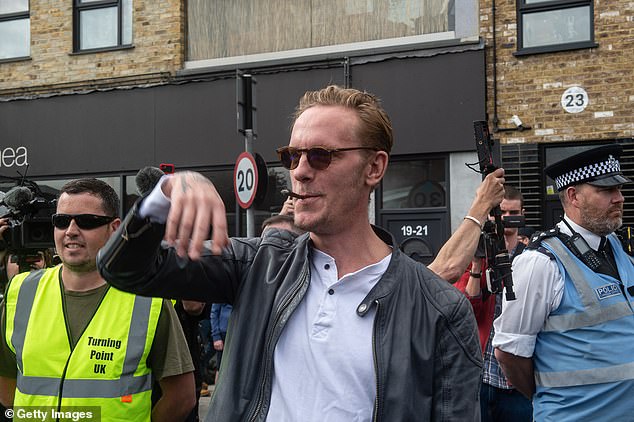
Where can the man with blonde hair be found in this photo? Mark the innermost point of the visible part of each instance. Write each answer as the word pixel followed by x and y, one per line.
pixel 336 324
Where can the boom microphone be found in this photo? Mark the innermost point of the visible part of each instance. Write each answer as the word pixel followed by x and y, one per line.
pixel 17 197
pixel 147 178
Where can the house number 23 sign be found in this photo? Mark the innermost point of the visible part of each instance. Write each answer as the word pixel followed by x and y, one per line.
pixel 574 99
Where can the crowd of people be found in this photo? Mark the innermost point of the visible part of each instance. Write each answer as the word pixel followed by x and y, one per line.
pixel 322 317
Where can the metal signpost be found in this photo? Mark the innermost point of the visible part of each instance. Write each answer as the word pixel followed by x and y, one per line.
pixel 245 91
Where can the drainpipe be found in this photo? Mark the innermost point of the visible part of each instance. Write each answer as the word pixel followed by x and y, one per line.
pixel 519 126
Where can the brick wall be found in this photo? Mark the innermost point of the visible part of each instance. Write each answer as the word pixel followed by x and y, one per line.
pixel 158 39
pixel 531 86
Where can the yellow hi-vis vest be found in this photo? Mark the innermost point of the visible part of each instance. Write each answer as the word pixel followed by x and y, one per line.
pixel 106 369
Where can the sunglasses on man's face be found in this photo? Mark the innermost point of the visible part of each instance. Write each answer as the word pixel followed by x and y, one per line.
pixel 83 221
pixel 318 158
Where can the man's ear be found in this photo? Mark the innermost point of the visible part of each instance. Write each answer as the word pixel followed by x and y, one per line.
pixel 376 168
pixel 571 195
pixel 114 225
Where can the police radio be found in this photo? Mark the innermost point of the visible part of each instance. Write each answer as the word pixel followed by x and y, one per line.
pixel 581 249
pixel 584 252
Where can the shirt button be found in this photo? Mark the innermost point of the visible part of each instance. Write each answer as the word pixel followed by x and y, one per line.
pixel 327 266
pixel 362 307
pixel 331 292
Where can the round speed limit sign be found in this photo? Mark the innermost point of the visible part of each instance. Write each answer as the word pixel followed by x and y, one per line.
pixel 245 179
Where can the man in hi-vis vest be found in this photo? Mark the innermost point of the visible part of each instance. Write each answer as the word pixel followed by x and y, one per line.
pixel 71 343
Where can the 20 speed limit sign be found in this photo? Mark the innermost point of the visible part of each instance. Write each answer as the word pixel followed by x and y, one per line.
pixel 245 179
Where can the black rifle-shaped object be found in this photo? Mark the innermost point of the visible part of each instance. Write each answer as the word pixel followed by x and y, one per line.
pixel 498 271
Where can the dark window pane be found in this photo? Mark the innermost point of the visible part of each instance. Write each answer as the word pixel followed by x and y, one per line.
pixel 53 186
pixel 415 184
pixel 223 181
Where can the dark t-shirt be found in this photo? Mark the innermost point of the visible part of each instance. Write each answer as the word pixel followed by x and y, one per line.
pixel 168 355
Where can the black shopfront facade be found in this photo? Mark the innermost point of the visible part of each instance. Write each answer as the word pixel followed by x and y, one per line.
pixel 432 96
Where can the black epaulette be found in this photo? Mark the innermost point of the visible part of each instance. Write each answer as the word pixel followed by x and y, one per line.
pixel 537 238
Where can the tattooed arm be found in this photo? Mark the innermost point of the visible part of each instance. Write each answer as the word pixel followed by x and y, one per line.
pixel 180 210
pixel 195 206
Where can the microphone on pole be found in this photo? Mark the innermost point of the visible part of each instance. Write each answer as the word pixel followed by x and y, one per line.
pixel 147 178
pixel 17 197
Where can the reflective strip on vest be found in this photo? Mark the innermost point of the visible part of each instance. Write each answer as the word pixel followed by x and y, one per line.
pixel 594 313
pixel 588 299
pixel 585 376
pixel 22 313
pixel 594 317
pixel 83 388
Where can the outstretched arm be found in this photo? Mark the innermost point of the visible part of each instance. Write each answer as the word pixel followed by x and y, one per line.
pixel 458 251
pixel 180 210
pixel 195 206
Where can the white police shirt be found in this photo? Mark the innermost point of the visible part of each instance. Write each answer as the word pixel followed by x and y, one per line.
pixel 539 287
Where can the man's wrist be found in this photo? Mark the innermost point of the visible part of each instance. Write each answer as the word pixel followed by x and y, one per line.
pixel 475 274
pixel 474 220
pixel 156 205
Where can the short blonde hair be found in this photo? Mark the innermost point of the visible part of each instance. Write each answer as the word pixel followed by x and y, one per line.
pixel 375 129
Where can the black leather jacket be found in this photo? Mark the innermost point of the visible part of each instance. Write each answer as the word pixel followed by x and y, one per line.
pixel 427 357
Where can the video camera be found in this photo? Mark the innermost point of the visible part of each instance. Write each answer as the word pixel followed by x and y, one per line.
pixel 30 228
pixel 488 229
pixel 493 245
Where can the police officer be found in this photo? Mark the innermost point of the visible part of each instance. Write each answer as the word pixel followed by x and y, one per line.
pixel 567 342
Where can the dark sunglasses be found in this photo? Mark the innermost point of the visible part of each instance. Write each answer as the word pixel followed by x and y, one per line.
pixel 83 221
pixel 319 158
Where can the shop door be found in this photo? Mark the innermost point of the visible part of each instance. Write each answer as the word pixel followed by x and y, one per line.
pixel 412 205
